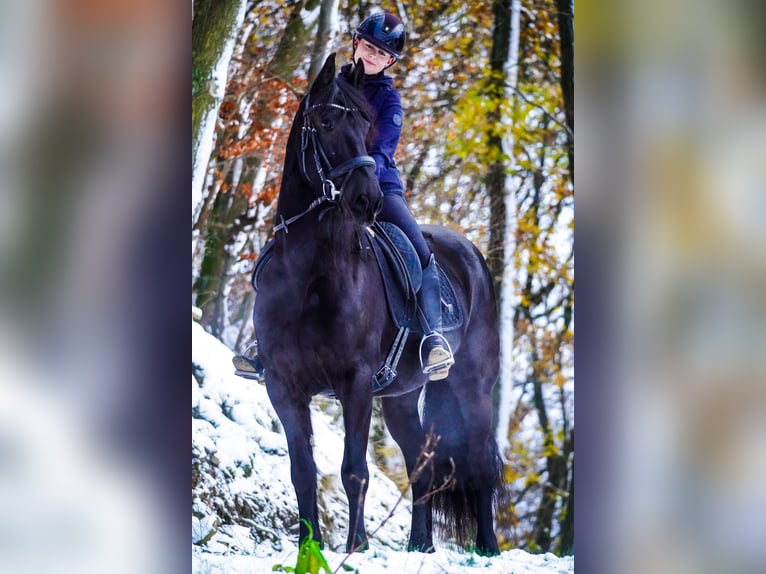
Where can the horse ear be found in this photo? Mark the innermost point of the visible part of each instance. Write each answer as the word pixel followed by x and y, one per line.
pixel 326 76
pixel 357 75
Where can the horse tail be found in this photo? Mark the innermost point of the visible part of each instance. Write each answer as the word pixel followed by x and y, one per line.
pixel 466 456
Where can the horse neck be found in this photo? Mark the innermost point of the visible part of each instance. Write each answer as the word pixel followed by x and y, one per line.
pixel 328 246
pixel 295 192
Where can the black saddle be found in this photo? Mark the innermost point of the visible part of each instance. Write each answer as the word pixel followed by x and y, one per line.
pixel 400 268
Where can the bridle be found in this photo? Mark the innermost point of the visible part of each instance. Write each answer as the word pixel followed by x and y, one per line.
pixel 322 164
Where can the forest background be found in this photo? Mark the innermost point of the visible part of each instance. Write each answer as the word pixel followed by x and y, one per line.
pixel 487 149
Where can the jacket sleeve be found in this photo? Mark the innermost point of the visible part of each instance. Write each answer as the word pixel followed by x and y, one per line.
pixel 388 128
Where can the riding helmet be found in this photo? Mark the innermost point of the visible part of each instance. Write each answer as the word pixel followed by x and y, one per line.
pixel 385 31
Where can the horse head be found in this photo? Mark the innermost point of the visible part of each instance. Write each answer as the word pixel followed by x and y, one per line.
pixel 336 121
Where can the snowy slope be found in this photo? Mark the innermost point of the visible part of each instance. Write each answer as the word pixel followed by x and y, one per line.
pixel 243 506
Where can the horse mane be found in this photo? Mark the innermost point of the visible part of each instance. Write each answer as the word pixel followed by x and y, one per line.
pixel 352 97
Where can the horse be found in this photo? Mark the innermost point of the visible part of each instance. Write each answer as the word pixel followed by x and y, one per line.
pixel 322 324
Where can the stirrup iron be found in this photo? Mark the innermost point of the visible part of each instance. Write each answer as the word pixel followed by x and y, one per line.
pixel 444 364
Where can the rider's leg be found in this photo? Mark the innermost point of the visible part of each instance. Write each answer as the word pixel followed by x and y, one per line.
pixel 435 353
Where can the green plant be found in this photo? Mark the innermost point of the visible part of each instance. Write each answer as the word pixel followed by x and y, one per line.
pixel 310 557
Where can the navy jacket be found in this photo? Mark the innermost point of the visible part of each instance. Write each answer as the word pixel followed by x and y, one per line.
pixel 387 107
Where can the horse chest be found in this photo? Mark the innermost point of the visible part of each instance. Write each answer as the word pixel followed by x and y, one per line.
pixel 323 308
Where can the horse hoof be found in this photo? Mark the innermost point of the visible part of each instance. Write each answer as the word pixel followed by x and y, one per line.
pixel 424 548
pixel 359 548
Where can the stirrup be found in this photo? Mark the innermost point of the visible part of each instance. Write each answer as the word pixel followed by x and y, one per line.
pixel 249 367
pixel 438 367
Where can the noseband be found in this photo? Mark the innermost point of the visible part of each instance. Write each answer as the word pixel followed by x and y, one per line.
pixel 322 164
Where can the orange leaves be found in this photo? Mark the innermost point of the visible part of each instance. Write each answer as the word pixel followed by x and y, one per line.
pixel 227 111
pixel 256 111
pixel 253 124
pixel 268 192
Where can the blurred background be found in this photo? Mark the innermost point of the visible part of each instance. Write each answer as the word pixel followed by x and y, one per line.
pixel 671 221
pixel 671 110
pixel 93 256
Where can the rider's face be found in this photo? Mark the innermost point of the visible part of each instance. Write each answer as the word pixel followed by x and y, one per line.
pixel 375 60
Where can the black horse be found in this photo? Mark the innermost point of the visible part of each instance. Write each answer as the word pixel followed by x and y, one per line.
pixel 322 324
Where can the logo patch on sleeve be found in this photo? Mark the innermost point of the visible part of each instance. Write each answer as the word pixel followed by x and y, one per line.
pixel 397 120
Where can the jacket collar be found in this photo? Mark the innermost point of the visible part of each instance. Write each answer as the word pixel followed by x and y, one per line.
pixel 378 79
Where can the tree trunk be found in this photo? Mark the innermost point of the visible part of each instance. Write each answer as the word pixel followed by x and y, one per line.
pixel 557 475
pixel 221 230
pixel 326 29
pixel 294 41
pixel 503 64
pixel 501 41
pixel 213 34
pixel 566 41
pixel 566 538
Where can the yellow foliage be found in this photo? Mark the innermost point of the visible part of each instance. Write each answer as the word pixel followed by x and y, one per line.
pixel 510 474
pixel 532 479
pixel 551 449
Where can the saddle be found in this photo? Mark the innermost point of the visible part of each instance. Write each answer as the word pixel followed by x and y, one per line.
pixel 400 269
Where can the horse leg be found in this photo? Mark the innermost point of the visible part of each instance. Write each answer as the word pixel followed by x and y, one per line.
pixel 357 412
pixel 296 420
pixel 403 422
pixel 486 541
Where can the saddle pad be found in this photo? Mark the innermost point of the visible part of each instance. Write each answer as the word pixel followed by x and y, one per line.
pixel 400 268
pixel 452 315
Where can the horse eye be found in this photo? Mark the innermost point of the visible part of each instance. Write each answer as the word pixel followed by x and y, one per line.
pixel 326 123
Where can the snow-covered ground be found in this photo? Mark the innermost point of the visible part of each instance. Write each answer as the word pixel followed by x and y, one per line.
pixel 244 510
pixel 382 560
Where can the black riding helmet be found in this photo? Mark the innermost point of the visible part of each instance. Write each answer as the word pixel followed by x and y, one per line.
pixel 385 31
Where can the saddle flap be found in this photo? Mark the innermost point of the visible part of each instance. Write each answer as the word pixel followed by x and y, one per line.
pixel 400 270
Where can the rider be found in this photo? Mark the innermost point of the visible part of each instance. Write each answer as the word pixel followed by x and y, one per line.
pixel 378 42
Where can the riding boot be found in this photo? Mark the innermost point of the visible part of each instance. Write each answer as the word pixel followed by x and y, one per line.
pixel 434 347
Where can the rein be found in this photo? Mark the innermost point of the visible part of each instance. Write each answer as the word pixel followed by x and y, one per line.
pixel 322 164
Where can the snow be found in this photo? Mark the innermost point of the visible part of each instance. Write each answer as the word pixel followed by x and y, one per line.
pixel 244 509
pixel 381 561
